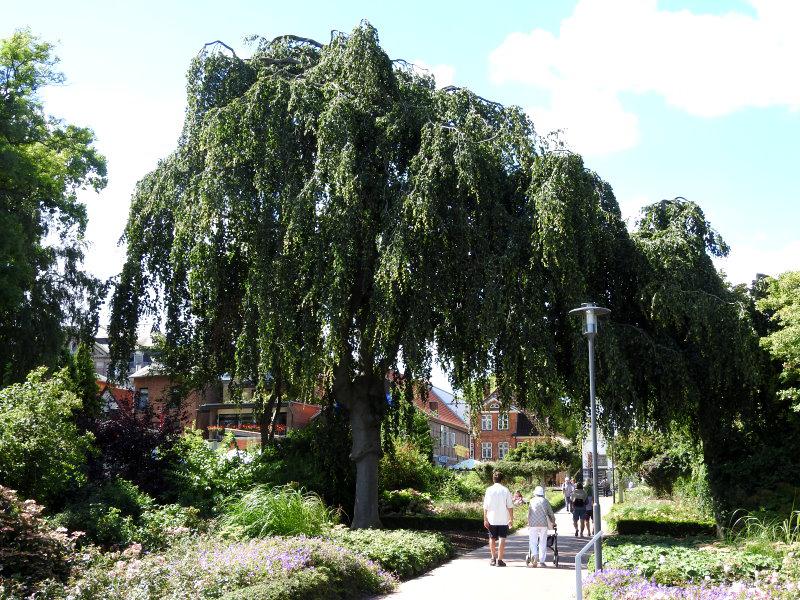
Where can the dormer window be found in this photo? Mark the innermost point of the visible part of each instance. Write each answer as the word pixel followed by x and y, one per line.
pixel 434 407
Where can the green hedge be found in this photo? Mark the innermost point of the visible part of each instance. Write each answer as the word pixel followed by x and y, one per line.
pixel 676 529
pixel 532 469
pixel 433 523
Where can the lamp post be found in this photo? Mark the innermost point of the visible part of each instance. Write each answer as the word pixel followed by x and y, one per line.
pixel 590 313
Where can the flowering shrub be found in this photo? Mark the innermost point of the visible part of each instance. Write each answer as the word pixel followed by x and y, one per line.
pixel 618 584
pixel 208 567
pixel 31 552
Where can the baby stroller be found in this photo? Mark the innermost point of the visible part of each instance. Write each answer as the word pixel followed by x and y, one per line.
pixel 552 544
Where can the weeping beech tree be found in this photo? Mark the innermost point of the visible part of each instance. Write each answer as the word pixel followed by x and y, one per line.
pixel 330 216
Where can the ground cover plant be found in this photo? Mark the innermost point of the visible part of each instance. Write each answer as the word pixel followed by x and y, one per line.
pixel 210 567
pixel 404 553
pixel 622 584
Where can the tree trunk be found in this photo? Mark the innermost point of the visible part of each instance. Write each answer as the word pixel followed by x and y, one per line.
pixel 364 399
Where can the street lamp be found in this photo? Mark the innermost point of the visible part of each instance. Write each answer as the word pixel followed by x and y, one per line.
pixel 590 313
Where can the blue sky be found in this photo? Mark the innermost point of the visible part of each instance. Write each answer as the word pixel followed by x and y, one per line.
pixel 673 98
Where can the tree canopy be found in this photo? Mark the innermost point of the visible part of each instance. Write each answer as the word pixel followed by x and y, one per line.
pixel 44 292
pixel 330 216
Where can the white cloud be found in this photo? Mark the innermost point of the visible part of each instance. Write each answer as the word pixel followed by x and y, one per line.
pixel 705 65
pixel 748 259
pixel 443 74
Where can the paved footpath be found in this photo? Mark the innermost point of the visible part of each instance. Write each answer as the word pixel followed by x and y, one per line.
pixel 470 576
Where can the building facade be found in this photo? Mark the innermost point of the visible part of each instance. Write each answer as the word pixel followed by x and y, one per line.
pixel 496 431
pixel 449 431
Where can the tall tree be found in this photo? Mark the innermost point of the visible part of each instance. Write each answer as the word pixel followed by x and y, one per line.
pixel 44 293
pixel 781 303
pixel 328 212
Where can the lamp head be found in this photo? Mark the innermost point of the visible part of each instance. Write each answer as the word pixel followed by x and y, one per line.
pixel 590 313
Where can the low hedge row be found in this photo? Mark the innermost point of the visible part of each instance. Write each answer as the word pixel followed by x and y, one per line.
pixel 432 523
pixel 676 529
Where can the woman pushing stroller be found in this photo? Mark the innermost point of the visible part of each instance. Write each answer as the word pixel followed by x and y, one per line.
pixel 540 516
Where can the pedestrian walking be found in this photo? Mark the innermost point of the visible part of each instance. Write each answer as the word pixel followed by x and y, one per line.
pixel 568 487
pixel 498 516
pixel 540 517
pixel 579 508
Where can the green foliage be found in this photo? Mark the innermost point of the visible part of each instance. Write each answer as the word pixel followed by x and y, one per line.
pixel 42 453
pixel 662 471
pixel 264 510
pixel 669 561
pixel 782 304
pixel 208 567
pixel 405 466
pixel 31 552
pixel 643 513
pixel 461 487
pixel 408 501
pixel 750 527
pixel 551 450
pixel 43 164
pixel 83 382
pixel 404 553
pixel 202 477
pixel 117 513
pixel 534 471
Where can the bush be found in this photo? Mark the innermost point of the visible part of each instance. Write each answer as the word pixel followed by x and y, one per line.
pixel 404 553
pixel 404 466
pixel 407 501
pixel 117 513
pixel 677 529
pixel 551 450
pixel 31 552
pixel 662 472
pixel 532 471
pixel 462 487
pixel 42 453
pixel 276 511
pixel 208 567
pixel 203 477
pixel 131 445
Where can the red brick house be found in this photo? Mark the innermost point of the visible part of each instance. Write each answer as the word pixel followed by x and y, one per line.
pixel 112 397
pixel 496 432
pixel 449 432
pixel 153 389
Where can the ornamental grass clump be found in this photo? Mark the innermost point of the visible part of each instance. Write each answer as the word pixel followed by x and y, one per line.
pixel 281 510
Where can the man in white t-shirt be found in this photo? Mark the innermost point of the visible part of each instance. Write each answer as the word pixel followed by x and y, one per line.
pixel 498 516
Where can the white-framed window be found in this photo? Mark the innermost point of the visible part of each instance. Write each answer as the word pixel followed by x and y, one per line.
pixel 502 421
pixel 502 450
pixel 486 422
pixel 486 449
pixel 443 437
pixel 452 439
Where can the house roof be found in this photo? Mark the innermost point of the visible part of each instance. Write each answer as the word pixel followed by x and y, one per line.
pixel 121 395
pixel 151 370
pixel 444 414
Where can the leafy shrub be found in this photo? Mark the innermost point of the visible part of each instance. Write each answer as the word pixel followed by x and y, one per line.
pixel 208 567
pixel 404 466
pixel 751 526
pixel 462 487
pixel 117 513
pixel 662 471
pixel 284 510
pixel 405 502
pixel 402 552
pixel 203 477
pixel 532 471
pixel 677 529
pixel 131 445
pixel 31 552
pixel 42 453
pixel 551 450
